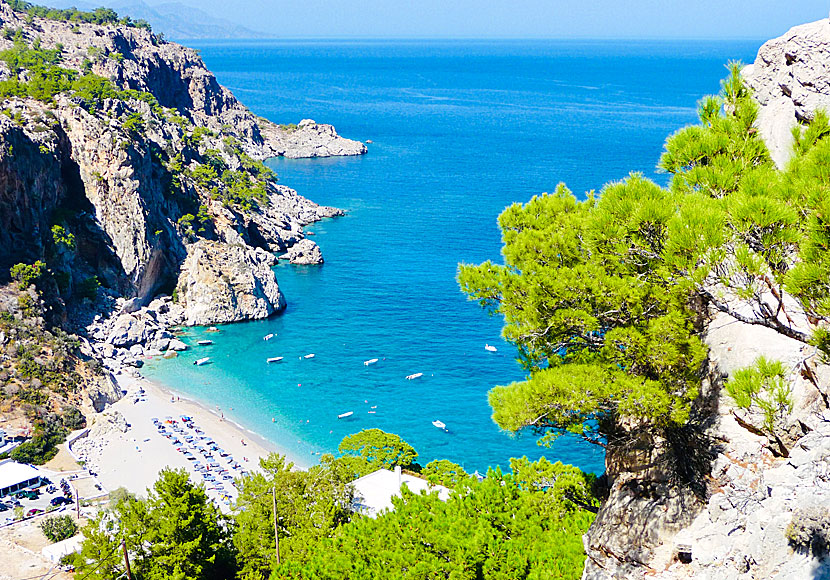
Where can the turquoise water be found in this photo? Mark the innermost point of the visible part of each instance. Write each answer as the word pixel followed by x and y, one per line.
pixel 460 130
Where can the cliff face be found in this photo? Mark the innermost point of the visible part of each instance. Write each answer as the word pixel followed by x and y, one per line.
pixel 161 162
pixel 790 79
pixel 723 500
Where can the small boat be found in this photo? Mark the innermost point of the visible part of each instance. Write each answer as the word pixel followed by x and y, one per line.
pixel 201 361
pixel 490 347
pixel 415 376
pixel 439 424
pixel 204 342
pixel 371 412
pixel 346 414
pixel 274 359
pixel 268 336
pixel 309 355
pixel 371 361
pixel 212 329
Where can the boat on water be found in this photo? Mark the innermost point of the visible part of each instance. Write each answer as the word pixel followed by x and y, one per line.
pixel 346 414
pixel 274 359
pixel 268 336
pixel 439 424
pixel 204 342
pixel 309 355
pixel 212 329
pixel 490 347
pixel 201 361
pixel 415 376
pixel 371 361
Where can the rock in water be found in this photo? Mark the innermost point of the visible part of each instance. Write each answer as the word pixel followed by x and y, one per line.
pixel 791 80
pixel 305 252
pixel 227 283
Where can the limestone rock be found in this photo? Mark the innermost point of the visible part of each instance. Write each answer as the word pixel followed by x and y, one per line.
pixel 310 139
pixel 227 283
pixel 130 330
pixel 790 79
pixel 304 252
pixel 176 345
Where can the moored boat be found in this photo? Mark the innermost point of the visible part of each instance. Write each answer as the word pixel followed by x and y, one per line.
pixel 204 342
pixel 371 361
pixel 311 355
pixel 490 347
pixel 268 336
pixel 346 414
pixel 201 361
pixel 415 376
pixel 439 424
pixel 274 359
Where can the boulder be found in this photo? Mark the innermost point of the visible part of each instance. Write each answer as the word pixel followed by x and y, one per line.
pixel 176 345
pixel 227 283
pixel 304 252
pixel 130 329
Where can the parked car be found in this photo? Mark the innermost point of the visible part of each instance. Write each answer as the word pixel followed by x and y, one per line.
pixel 60 500
pixel 12 502
pixel 3 507
pixel 29 494
pixel 33 512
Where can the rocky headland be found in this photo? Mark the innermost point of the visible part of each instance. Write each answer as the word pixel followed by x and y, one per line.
pixel 132 186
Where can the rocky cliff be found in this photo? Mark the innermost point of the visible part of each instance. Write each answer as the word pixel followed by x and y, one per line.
pixel 723 499
pixel 149 169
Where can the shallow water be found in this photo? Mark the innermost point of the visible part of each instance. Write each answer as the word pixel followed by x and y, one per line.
pixel 460 130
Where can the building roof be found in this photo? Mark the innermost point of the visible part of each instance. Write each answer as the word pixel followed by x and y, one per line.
pixel 12 473
pixel 374 492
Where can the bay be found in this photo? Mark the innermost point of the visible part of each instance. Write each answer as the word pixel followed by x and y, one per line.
pixel 459 130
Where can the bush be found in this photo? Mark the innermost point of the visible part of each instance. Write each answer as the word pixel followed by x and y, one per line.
pixel 764 386
pixel 27 274
pixel 89 288
pixel 62 237
pixel 58 528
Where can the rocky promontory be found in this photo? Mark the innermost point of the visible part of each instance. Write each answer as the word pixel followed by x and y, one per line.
pixel 137 174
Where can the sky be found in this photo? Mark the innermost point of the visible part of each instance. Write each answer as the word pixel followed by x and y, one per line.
pixel 727 19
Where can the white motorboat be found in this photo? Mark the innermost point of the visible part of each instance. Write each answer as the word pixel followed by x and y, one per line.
pixel 371 361
pixel 268 336
pixel 490 347
pixel 274 359
pixel 201 361
pixel 439 424
pixel 346 414
pixel 204 342
pixel 415 376
pixel 309 355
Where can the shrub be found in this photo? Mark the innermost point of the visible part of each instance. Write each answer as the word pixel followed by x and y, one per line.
pixel 27 274
pixel 89 288
pixel 58 528
pixel 763 386
pixel 62 237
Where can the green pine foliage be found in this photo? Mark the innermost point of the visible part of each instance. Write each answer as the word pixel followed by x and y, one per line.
pixel 604 298
pixel 58 528
pixel 499 528
pixel 105 16
pixel 380 450
pixel 176 532
pixel 763 387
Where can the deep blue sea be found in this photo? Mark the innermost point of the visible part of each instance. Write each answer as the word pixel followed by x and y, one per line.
pixel 459 131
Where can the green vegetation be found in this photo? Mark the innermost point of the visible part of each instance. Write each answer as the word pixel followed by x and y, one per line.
pixel 58 528
pixel 763 386
pixel 62 237
pixel 88 288
pixel 97 16
pixel 603 298
pixel 27 274
pixel 443 472
pixel 379 449
pixel 175 533
pixel 43 446
pixel 512 527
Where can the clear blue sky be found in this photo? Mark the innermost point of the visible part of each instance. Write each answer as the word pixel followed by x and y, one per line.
pixel 756 19
pixel 727 19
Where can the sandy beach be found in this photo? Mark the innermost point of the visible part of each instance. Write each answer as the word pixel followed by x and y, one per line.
pixel 133 458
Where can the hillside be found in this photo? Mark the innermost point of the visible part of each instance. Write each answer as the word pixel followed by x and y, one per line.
pixel 126 172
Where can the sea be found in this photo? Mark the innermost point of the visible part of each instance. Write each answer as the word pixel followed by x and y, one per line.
pixel 459 130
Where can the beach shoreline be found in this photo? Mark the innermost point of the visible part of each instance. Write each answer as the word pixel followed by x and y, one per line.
pixel 130 453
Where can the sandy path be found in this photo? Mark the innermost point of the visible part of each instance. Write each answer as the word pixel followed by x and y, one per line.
pixel 133 459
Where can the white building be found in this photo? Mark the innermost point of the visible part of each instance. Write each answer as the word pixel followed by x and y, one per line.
pixel 54 552
pixel 7 443
pixel 374 492
pixel 16 476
